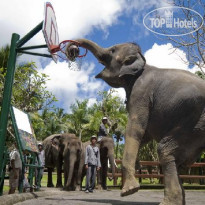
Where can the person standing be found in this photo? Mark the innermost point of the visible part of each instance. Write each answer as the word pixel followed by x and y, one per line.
pixel 15 170
pixel 103 129
pixel 92 163
pixel 41 156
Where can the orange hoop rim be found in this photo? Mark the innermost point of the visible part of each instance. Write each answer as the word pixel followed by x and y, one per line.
pixel 55 48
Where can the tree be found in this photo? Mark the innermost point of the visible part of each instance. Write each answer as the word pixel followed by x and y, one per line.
pixel 49 122
pixel 149 152
pixel 194 43
pixel 79 120
pixel 4 55
pixel 119 137
pixel 113 108
pixel 200 74
pixel 29 90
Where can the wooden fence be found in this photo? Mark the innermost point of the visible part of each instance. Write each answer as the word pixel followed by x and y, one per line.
pixel 143 173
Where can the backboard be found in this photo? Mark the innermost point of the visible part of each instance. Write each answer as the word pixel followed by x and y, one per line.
pixel 50 28
pixel 25 133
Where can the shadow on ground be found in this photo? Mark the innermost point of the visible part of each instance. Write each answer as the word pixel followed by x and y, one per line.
pixel 109 201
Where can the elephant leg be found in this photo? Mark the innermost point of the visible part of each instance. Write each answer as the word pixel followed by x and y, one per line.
pixel 59 173
pixel 134 132
pixel 74 179
pixel 173 191
pixel 50 181
pixel 99 178
pixel 104 174
pixel 65 177
pixel 79 175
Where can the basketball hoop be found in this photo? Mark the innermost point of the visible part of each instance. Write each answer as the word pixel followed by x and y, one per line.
pixel 75 58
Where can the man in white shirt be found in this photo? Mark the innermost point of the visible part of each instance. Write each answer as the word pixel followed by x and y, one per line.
pixel 15 170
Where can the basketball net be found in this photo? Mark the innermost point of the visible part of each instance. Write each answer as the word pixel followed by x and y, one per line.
pixel 76 62
pixel 75 65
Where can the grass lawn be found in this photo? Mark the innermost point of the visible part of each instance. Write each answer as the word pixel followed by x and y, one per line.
pixel 109 183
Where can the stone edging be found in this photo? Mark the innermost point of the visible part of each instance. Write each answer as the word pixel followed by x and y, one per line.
pixel 15 198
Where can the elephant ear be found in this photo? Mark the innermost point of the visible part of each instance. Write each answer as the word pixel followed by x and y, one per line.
pixel 55 141
pixel 132 65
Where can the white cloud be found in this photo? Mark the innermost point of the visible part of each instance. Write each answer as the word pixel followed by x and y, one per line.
pixel 75 19
pixel 91 101
pixel 120 92
pixel 68 85
pixel 166 56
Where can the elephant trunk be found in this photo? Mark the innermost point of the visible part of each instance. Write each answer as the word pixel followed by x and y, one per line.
pixel 112 161
pixel 100 53
pixel 72 160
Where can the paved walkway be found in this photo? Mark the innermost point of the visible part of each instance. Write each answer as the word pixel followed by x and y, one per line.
pixel 143 197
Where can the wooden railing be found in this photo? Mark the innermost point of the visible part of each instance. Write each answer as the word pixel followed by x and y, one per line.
pixel 142 173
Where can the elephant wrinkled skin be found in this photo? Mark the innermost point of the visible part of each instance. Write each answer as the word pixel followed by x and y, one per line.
pixel 65 148
pixel 106 147
pixel 163 104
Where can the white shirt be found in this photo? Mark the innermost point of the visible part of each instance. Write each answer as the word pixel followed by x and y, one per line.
pixel 41 156
pixel 14 155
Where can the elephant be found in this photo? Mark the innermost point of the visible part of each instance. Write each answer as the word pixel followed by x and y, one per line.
pixel 106 147
pixel 65 148
pixel 53 159
pixel 167 105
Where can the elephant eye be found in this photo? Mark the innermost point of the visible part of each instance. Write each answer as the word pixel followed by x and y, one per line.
pixel 113 50
pixel 129 60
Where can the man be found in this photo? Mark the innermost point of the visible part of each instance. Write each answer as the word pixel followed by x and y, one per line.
pixel 15 170
pixel 41 156
pixel 103 131
pixel 92 162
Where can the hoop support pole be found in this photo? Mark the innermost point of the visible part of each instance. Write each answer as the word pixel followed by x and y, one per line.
pixel 31 47
pixel 7 97
pixel 36 54
pixel 29 35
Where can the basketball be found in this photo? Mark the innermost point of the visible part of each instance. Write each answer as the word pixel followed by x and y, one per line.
pixel 72 51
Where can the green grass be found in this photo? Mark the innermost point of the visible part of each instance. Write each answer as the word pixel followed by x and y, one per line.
pixel 145 181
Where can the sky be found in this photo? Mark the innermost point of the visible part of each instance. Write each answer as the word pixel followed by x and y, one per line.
pixel 107 22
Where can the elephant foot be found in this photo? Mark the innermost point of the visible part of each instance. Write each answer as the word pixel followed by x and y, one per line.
pixel 130 187
pixel 68 188
pixel 166 203
pixel 78 188
pixel 59 186
pixel 171 202
pixel 50 185
pixel 104 187
pixel 99 187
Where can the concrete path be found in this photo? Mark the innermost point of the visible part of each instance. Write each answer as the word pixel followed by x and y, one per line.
pixel 143 197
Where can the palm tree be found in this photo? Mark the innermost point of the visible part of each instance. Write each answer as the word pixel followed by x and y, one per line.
pixel 119 137
pixel 78 120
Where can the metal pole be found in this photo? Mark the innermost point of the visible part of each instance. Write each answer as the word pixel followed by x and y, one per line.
pixel 7 95
pixel 29 35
